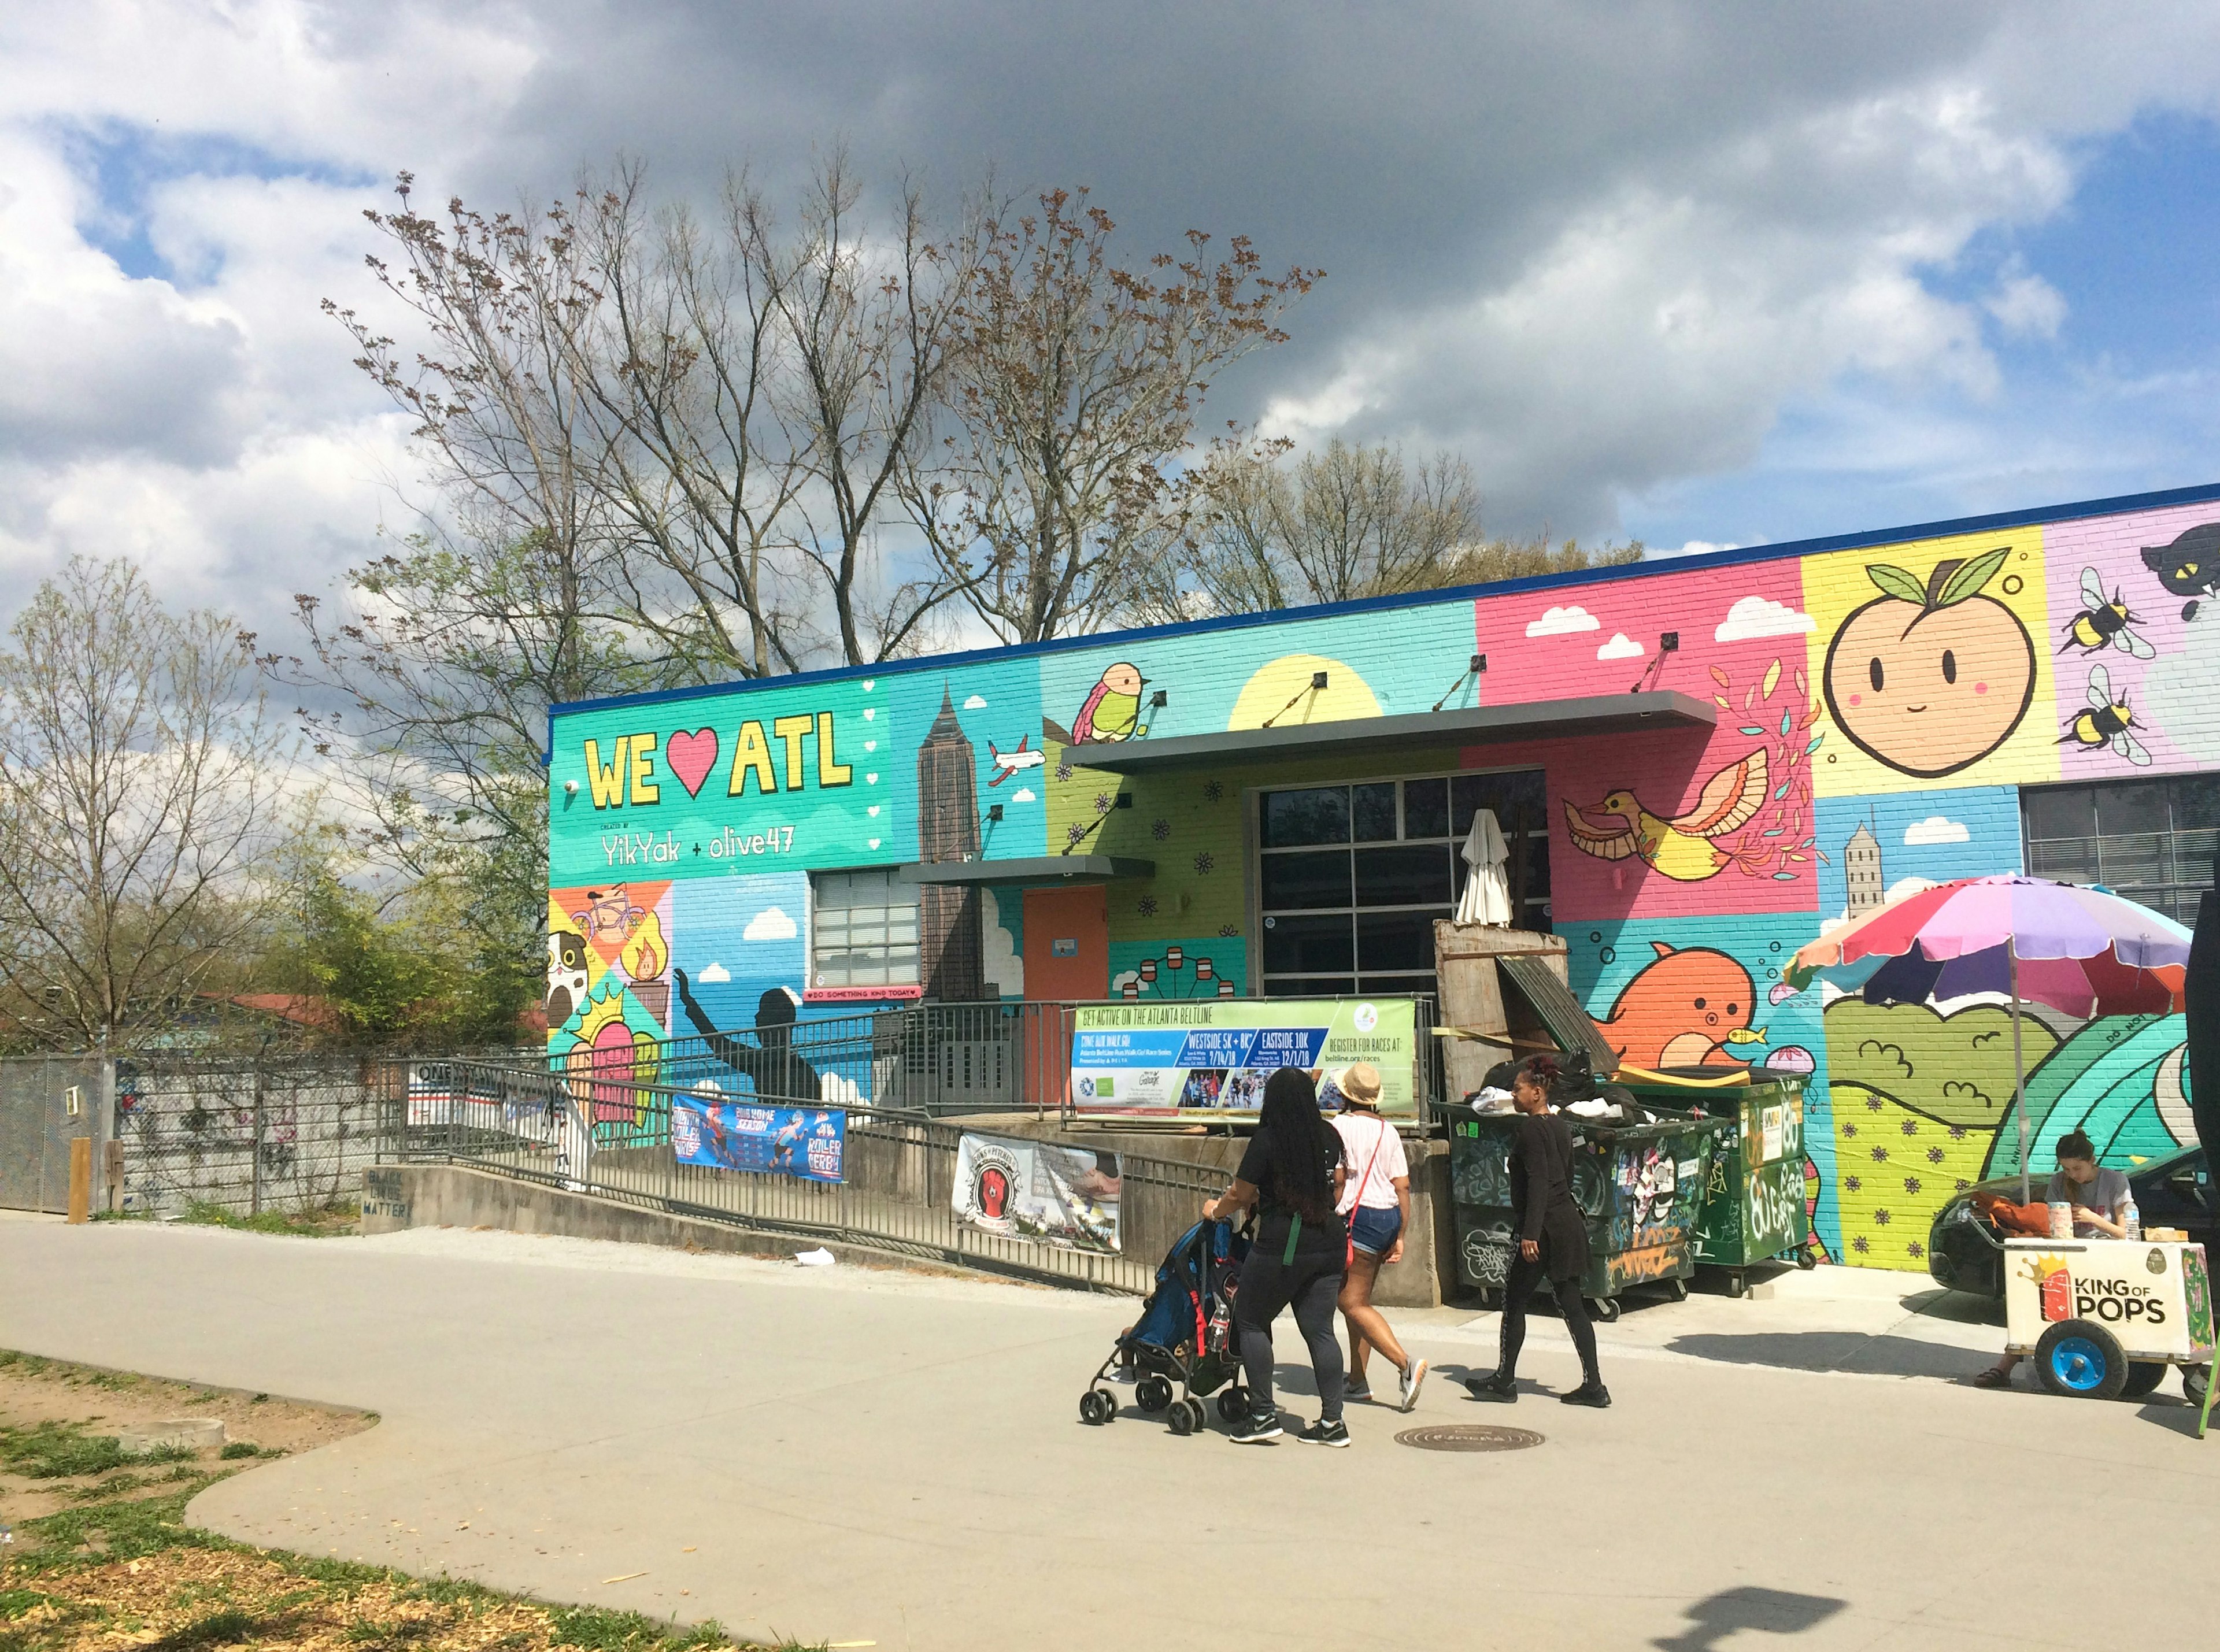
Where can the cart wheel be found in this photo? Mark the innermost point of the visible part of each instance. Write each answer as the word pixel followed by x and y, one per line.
pixel 2195 1379
pixel 1677 1289
pixel 1737 1284
pixel 1604 1308
pixel 2143 1375
pixel 2078 1359
pixel 1806 1259
pixel 1152 1393
pixel 1233 1405
pixel 1181 1419
pixel 1097 1407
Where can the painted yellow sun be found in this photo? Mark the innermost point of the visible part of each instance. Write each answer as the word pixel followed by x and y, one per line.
pixel 1345 695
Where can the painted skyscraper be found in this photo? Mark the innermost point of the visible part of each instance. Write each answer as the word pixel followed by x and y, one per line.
pixel 948 936
pixel 1861 866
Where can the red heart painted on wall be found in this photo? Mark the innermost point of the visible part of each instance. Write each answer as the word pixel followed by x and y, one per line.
pixel 691 756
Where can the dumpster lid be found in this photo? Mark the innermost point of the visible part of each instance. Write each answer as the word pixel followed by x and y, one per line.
pixel 1556 1008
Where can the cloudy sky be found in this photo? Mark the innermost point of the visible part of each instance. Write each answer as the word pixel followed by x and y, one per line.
pixel 1694 272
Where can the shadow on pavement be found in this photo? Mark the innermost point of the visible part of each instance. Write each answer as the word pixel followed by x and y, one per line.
pixel 1830 1350
pixel 1958 1307
pixel 1775 1612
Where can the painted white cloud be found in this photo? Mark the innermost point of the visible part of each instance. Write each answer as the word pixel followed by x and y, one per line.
pixel 977 702
pixel 1760 616
pixel 1003 965
pixel 1563 622
pixel 1022 795
pixel 716 974
pixel 1936 829
pixel 772 924
pixel 1621 646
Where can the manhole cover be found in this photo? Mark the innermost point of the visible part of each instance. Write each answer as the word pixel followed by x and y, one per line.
pixel 1468 1436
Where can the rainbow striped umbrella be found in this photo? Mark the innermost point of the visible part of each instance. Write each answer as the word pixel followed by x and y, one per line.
pixel 2081 949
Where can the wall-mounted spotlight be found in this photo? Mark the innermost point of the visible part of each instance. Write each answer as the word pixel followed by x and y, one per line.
pixel 571 787
pixel 1158 701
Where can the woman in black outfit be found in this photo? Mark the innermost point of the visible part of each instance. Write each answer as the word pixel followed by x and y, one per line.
pixel 1553 1240
pixel 1292 1173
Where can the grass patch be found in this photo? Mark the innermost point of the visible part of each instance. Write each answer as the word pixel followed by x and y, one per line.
pixel 239 1448
pixel 57 1451
pixel 321 1221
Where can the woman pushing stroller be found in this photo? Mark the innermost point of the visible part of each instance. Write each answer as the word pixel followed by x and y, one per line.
pixel 1292 1174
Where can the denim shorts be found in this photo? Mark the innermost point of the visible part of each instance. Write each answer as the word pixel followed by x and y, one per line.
pixel 1372 1231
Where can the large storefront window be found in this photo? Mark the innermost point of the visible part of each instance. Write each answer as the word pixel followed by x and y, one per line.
pixel 2150 840
pixel 1351 878
pixel 862 930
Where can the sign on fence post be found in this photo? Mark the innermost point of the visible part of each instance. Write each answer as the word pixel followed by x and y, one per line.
pixel 1064 1196
pixel 1214 1055
pixel 806 1142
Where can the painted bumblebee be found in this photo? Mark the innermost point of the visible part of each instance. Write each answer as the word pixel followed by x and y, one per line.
pixel 2107 721
pixel 2189 566
pixel 2102 623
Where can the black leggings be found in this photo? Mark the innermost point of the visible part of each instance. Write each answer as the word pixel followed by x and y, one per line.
pixel 1524 1277
pixel 1311 1285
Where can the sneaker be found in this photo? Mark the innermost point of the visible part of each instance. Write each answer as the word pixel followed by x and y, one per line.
pixel 1413 1375
pixel 1123 1374
pixel 1588 1393
pixel 1255 1430
pixel 1357 1391
pixel 1324 1433
pixel 1492 1386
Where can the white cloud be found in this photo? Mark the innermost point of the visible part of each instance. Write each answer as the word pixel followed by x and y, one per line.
pixel 772 924
pixel 1936 829
pixel 974 703
pixel 1760 616
pixel 1563 622
pixel 1022 795
pixel 2026 306
pixel 1621 646
pixel 715 974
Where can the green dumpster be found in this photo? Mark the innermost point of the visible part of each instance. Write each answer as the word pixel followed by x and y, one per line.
pixel 1753 1209
pixel 1641 1187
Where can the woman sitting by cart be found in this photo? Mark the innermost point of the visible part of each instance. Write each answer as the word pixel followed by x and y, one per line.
pixel 2099 1197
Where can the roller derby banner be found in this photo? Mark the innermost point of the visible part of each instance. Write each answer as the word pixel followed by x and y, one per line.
pixel 1064 1196
pixel 1214 1055
pixel 805 1142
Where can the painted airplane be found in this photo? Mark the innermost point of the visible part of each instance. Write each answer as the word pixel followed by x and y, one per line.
pixel 1009 763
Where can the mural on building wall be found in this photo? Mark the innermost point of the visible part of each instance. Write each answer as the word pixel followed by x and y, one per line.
pixel 1879 710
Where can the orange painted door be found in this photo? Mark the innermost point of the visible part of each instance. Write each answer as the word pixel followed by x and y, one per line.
pixel 1067 943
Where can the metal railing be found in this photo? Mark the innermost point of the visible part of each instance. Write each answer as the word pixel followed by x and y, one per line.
pixel 935 1059
pixel 897 1193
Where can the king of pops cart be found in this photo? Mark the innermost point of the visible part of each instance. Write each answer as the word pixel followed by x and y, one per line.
pixel 2105 1317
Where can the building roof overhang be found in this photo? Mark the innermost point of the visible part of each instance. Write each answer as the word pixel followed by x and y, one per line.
pixel 1604 714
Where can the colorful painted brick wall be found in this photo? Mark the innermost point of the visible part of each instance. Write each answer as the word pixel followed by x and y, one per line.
pixel 1878 709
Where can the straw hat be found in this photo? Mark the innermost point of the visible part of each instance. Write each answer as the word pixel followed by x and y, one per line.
pixel 1359 1084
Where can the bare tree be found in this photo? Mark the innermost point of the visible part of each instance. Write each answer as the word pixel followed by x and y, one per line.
pixel 143 796
pixel 1074 391
pixel 705 420
pixel 1349 522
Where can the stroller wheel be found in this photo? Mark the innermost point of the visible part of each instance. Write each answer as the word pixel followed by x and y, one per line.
pixel 1153 1394
pixel 1097 1407
pixel 1233 1404
pixel 1182 1419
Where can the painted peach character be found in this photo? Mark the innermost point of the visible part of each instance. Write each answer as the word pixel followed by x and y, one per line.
pixel 1929 679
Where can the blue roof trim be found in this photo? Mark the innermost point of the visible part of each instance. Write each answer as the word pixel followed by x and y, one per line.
pixel 1996 521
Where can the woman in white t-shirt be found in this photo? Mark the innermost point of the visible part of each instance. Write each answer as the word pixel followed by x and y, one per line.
pixel 1376 1204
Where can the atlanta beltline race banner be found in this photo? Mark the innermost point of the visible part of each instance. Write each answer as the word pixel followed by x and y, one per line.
pixel 1064 1196
pixel 805 1142
pixel 1215 1054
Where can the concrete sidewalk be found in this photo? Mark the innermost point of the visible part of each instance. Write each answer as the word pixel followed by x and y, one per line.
pixel 870 1458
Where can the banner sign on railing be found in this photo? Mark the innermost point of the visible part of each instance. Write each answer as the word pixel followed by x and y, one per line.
pixel 1214 1055
pixel 806 1142
pixel 1062 1196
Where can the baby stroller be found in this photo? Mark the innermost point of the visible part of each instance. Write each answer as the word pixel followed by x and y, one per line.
pixel 1185 1333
